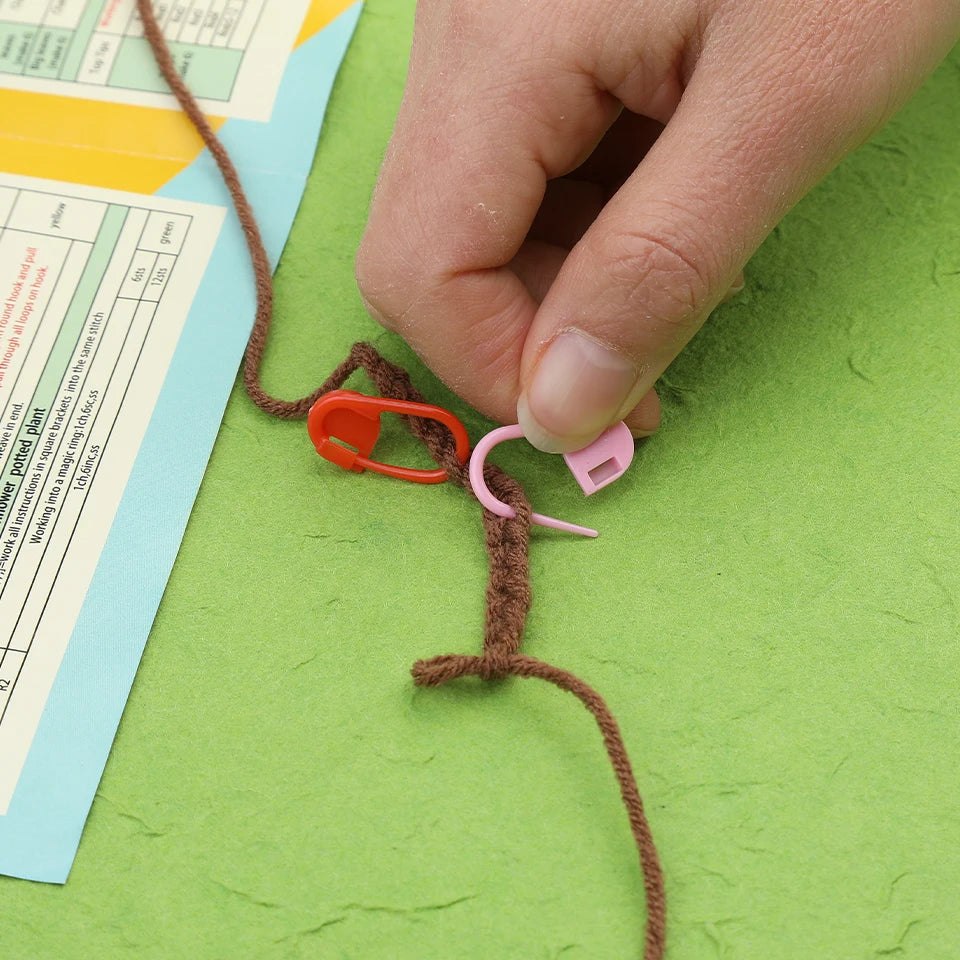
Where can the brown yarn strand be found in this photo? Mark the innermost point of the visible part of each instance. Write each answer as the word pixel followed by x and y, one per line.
pixel 508 595
pixel 263 274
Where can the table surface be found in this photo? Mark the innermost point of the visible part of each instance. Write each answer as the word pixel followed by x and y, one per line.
pixel 772 611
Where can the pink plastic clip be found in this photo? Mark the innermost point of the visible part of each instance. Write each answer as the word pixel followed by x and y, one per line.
pixel 594 467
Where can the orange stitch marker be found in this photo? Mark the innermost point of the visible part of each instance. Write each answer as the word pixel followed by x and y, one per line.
pixel 344 426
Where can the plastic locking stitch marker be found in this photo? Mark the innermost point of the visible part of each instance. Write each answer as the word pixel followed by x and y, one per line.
pixel 353 419
pixel 594 467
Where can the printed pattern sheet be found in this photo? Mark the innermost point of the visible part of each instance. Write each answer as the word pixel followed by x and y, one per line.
pixel 231 52
pixel 126 300
pixel 95 289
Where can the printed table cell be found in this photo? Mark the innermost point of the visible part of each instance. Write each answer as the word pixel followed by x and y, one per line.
pixel 48 53
pixel 192 22
pixel 16 42
pixel 116 15
pixel 162 9
pixel 159 277
pixel 138 276
pixel 212 70
pixel 24 11
pixel 11 662
pixel 209 26
pixel 65 14
pixel 7 198
pixel 176 19
pixel 247 24
pixel 164 233
pixel 134 26
pixel 57 216
pixel 29 270
pixel 99 59
pixel 146 311
pixel 229 19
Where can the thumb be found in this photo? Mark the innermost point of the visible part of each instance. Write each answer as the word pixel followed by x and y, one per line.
pixel 666 250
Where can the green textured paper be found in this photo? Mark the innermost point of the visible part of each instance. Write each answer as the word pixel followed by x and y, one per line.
pixel 772 610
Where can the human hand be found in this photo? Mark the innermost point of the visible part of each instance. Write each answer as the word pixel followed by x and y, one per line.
pixel 538 240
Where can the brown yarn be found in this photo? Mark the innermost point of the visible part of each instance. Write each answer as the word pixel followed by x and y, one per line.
pixel 508 595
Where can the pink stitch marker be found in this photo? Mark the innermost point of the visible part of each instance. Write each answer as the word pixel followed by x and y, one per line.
pixel 594 467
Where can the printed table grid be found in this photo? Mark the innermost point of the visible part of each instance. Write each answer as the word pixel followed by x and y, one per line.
pixel 145 277
pixel 101 43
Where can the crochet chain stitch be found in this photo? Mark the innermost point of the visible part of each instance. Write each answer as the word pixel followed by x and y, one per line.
pixel 508 595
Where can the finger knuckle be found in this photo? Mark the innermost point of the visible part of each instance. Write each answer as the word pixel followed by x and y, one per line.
pixel 674 269
pixel 379 284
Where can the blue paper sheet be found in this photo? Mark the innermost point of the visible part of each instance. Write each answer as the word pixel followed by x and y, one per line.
pixel 41 829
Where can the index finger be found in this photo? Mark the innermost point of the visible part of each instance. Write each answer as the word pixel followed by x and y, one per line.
pixel 461 183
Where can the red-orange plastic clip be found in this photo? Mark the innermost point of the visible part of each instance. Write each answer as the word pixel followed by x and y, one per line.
pixel 344 426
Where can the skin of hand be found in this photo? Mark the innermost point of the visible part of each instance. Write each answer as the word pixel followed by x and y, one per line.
pixel 573 185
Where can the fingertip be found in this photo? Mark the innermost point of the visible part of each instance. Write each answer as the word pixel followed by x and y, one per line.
pixel 643 421
pixel 539 436
pixel 577 388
